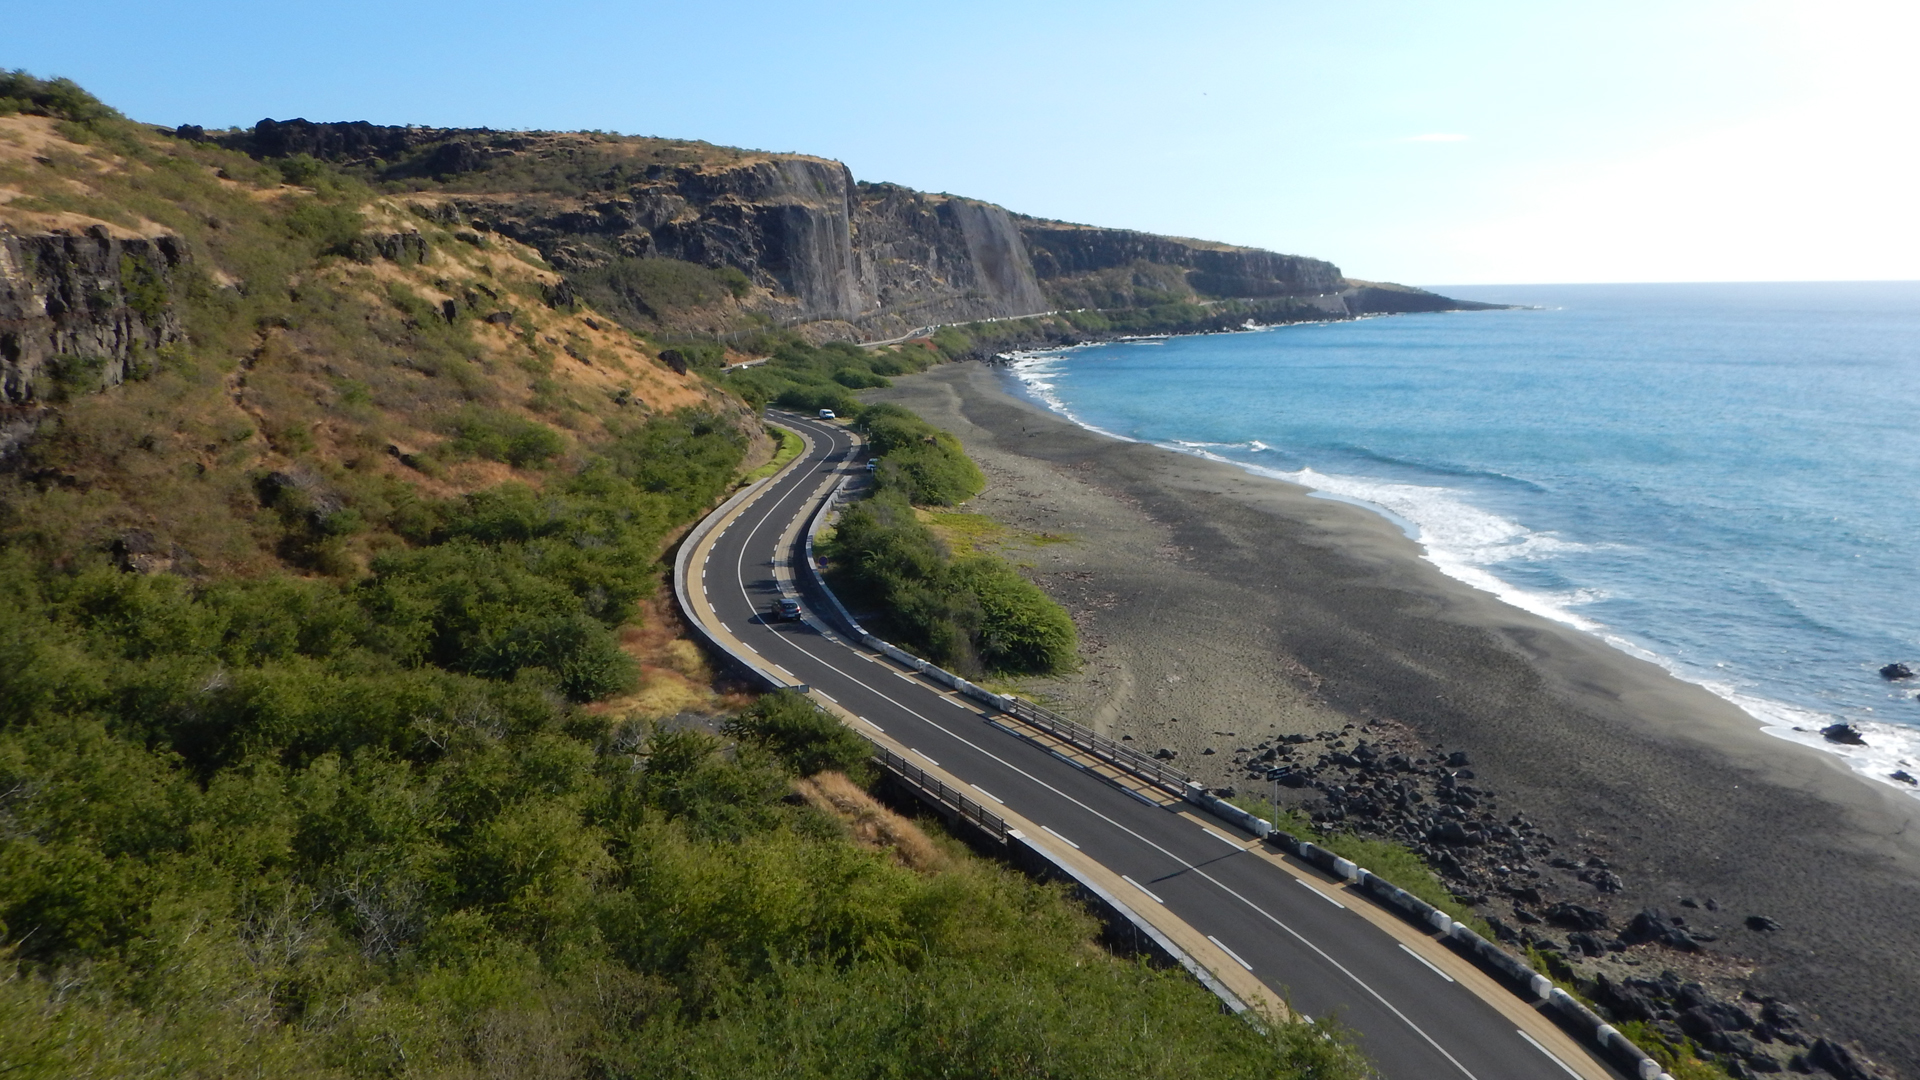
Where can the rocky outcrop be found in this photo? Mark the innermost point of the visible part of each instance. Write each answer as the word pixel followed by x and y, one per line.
pixel 877 260
pixel 1062 251
pixel 78 313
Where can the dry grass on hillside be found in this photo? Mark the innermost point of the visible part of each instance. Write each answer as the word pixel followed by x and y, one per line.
pixel 874 826
pixel 344 370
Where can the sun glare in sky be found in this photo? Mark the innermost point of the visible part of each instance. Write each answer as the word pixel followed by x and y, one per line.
pixel 1473 142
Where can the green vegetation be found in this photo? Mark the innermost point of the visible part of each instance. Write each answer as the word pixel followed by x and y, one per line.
pixel 496 436
pixel 972 614
pixel 316 752
pixel 804 738
pixel 923 463
pixel 62 99
pixel 1391 861
pixel 806 378
pixel 638 290
pixel 243 839
pixel 789 447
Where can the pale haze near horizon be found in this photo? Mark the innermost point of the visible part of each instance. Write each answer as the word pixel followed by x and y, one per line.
pixel 1692 140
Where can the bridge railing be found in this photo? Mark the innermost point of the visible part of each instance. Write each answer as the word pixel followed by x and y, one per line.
pixel 954 802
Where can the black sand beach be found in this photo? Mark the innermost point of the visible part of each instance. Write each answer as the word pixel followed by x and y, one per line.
pixel 1218 608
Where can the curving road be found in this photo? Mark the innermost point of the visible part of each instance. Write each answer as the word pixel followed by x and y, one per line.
pixel 1420 1010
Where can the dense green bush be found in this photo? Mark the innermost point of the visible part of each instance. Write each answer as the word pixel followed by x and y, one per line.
pixel 971 615
pixel 804 738
pixel 498 436
pixel 807 378
pixel 242 839
pixel 925 464
pixel 1021 628
pixel 62 99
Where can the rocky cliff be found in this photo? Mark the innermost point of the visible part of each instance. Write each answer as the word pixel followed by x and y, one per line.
pixel 852 259
pixel 79 311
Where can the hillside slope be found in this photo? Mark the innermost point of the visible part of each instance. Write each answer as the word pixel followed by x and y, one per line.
pixel 343 732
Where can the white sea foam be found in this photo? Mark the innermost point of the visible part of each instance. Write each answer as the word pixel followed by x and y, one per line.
pixel 1889 748
pixel 1463 541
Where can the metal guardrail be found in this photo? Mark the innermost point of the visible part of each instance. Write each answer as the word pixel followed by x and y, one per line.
pixel 1144 766
pixel 963 807
pixel 1126 758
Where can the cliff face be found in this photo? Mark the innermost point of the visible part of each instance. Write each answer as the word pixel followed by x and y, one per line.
pixel 1063 252
pixel 853 259
pixel 78 312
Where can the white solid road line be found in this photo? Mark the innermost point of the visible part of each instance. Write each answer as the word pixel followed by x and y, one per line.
pixel 1062 839
pixel 1550 1056
pixel 1324 896
pixel 929 760
pixel 1223 838
pixel 1143 889
pixel 1427 962
pixel 1037 781
pixel 988 794
pixel 1229 952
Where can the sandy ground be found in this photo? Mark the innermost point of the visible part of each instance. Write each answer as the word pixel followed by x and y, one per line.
pixel 1218 608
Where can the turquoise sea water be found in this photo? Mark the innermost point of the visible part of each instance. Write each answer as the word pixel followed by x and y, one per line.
pixel 1718 477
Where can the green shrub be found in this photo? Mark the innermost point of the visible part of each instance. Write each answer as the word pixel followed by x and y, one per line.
pixel 497 436
pixel 62 99
pixel 806 739
pixel 649 289
pixel 924 463
pixel 1022 631
pixel 973 615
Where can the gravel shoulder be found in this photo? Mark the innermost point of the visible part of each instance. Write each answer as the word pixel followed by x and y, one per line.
pixel 1218 609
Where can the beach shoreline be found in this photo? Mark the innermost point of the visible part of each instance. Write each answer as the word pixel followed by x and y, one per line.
pixel 1219 607
pixel 1882 758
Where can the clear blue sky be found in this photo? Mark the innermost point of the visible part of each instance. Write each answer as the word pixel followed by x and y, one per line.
pixel 1474 141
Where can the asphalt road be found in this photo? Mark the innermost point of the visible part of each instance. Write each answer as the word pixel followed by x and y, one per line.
pixel 1324 959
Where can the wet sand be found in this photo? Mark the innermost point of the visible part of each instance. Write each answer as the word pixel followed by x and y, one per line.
pixel 1218 608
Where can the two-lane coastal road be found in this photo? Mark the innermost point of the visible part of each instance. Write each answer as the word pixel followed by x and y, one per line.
pixel 1421 1011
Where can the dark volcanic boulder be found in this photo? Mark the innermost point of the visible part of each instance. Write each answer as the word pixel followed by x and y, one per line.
pixel 1575 917
pixel 1586 944
pixel 1835 1058
pixel 1456 834
pixel 1653 924
pixel 1843 733
pixel 1895 672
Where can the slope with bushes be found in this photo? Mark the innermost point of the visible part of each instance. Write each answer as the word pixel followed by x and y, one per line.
pixel 316 626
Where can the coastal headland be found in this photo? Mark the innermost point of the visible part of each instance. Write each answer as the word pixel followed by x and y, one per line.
pixel 1221 611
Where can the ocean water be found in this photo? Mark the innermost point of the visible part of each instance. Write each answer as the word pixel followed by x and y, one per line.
pixel 1724 479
